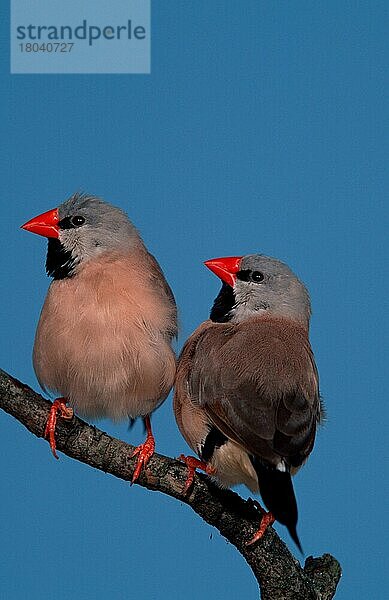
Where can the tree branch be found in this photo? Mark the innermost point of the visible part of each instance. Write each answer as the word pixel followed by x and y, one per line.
pixel 278 573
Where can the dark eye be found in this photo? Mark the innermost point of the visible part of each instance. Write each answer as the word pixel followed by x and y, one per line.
pixel 77 221
pixel 257 276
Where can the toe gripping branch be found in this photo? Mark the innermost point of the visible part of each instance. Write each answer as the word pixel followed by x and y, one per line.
pixel 194 463
pixel 58 406
pixel 144 451
pixel 266 521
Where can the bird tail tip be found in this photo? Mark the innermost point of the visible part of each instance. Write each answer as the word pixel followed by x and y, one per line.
pixel 293 534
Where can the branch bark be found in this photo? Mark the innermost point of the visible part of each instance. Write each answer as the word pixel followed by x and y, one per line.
pixel 279 574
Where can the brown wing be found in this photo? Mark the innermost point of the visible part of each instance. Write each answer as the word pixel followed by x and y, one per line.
pixel 192 421
pixel 258 383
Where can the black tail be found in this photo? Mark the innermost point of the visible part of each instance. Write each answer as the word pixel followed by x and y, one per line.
pixel 277 492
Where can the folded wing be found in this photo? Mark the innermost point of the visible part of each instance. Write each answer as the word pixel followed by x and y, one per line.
pixel 258 383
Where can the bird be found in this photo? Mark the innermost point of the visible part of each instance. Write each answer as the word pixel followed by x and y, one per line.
pixel 246 396
pixel 105 333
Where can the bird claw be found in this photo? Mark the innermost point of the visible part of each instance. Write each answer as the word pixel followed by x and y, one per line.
pixel 144 452
pixel 194 463
pixel 266 521
pixel 58 406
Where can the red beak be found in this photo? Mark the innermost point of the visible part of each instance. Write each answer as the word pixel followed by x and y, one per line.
pixel 45 224
pixel 225 268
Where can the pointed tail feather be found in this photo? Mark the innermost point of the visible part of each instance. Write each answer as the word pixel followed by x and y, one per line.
pixel 277 492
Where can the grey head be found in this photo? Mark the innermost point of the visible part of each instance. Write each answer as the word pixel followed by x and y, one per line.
pixel 264 285
pixel 87 227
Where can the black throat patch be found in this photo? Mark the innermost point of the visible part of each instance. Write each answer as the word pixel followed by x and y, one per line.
pixel 60 263
pixel 224 303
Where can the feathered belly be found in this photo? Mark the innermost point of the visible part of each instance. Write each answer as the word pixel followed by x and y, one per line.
pixel 232 467
pixel 104 365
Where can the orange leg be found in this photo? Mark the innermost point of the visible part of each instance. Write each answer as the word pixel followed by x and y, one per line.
pixel 267 519
pixel 144 451
pixel 58 406
pixel 194 463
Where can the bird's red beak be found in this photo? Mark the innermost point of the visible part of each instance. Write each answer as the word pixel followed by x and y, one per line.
pixel 225 268
pixel 45 224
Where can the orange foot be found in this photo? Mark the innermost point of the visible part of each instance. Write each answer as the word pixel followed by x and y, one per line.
pixel 194 463
pixel 145 451
pixel 267 519
pixel 58 406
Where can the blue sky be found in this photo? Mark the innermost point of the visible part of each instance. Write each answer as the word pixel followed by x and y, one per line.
pixel 261 128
